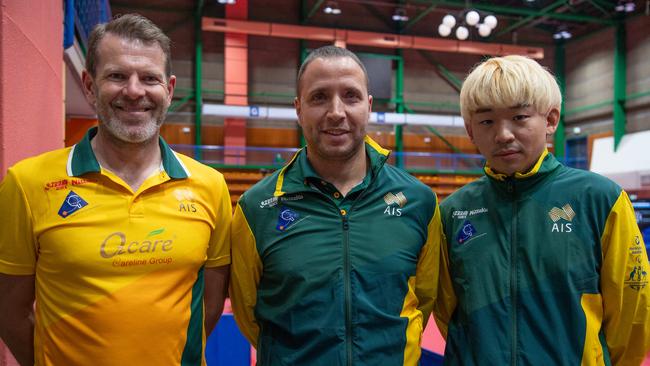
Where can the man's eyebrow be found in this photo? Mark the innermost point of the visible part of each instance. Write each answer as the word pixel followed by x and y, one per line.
pixel 483 110
pixel 520 105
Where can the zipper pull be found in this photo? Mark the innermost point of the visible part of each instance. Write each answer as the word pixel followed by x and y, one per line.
pixel 510 185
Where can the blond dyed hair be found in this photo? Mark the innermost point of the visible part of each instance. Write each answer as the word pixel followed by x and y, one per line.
pixel 504 82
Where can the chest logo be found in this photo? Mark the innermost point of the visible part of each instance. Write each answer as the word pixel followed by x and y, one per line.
pixel 286 218
pixel 467 232
pixel 186 200
pixel 565 213
pixel 71 204
pixel 395 203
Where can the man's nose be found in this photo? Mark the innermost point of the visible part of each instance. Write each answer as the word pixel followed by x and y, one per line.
pixel 504 133
pixel 336 109
pixel 134 88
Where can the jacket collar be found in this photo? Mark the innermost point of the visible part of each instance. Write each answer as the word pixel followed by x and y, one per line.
pixel 82 159
pixel 546 165
pixel 293 177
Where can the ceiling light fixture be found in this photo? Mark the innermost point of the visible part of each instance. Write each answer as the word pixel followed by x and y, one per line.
pixel 332 7
pixel 562 33
pixel 625 6
pixel 471 19
pixel 400 15
pixel 226 2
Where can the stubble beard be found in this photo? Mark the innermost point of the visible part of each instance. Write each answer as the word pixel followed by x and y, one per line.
pixel 130 133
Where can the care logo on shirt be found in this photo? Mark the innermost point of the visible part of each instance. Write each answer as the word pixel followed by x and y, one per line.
pixel 72 203
pixel 154 248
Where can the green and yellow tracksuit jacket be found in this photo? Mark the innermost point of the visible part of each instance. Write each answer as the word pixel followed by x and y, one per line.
pixel 322 279
pixel 543 268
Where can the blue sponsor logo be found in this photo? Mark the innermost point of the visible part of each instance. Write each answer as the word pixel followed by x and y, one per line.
pixel 286 218
pixel 71 204
pixel 467 231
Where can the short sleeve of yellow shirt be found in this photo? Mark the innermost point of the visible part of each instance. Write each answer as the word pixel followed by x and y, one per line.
pixel 17 243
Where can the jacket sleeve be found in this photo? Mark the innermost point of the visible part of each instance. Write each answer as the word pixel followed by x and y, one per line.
pixel 624 285
pixel 426 277
pixel 246 270
pixel 446 300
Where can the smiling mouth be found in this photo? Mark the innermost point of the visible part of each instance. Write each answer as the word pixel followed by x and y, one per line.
pixel 133 109
pixel 335 132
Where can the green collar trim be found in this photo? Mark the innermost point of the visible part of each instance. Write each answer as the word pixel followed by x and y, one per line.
pixel 82 159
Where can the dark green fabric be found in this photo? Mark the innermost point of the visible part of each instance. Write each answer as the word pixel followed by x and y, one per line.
pixel 333 287
pixel 193 351
pixel 519 276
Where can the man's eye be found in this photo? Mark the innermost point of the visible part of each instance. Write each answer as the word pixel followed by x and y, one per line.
pixel 352 95
pixel 115 76
pixel 150 80
pixel 318 97
pixel 485 122
pixel 521 117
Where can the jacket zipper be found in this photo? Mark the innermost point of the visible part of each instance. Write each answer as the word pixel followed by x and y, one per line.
pixel 348 288
pixel 513 275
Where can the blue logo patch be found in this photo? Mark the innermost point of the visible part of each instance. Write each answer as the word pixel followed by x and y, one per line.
pixel 286 218
pixel 71 204
pixel 467 231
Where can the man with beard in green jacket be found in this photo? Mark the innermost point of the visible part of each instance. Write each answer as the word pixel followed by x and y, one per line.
pixel 335 256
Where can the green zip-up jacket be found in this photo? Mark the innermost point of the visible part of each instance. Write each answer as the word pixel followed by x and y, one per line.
pixel 544 268
pixel 321 279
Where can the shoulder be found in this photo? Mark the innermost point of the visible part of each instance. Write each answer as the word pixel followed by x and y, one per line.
pixel 199 172
pixel 470 192
pixel 589 183
pixel 392 177
pixel 260 192
pixel 41 168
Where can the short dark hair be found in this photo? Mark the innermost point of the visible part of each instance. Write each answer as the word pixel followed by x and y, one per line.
pixel 327 52
pixel 133 27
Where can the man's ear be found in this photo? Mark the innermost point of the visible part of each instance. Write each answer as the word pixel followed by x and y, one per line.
pixel 369 104
pixel 171 84
pixel 468 128
pixel 296 105
pixel 88 85
pixel 552 120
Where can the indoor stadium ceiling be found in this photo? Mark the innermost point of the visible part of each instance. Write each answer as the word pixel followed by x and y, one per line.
pixel 523 22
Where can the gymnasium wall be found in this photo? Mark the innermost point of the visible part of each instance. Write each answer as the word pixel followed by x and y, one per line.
pixel 590 79
pixel 31 79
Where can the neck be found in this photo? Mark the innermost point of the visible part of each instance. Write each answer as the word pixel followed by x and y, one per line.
pixel 132 162
pixel 343 174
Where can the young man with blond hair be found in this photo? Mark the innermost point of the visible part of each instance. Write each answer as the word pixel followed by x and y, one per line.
pixel 543 264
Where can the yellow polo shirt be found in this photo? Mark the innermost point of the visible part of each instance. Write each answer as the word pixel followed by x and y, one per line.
pixel 119 274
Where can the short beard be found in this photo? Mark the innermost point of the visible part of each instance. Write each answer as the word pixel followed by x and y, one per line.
pixel 122 132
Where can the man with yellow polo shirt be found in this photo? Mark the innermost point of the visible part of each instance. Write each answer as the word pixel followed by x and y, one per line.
pixel 122 243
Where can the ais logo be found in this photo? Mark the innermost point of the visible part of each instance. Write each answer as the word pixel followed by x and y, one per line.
pixel 566 213
pixel 393 200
